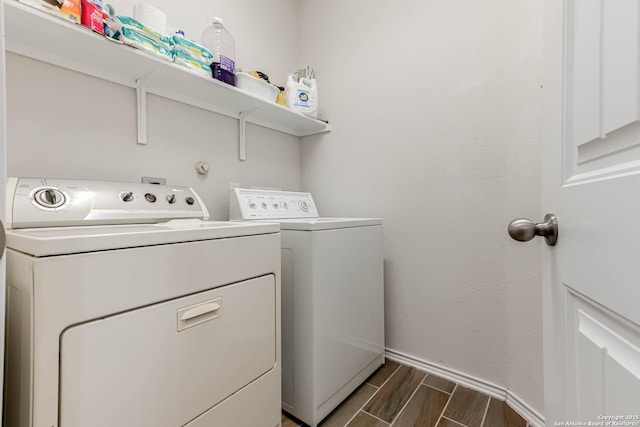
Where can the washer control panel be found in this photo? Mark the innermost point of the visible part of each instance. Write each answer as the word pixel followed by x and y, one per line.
pixel 40 202
pixel 245 203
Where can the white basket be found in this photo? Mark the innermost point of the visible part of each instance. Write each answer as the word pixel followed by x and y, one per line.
pixel 256 86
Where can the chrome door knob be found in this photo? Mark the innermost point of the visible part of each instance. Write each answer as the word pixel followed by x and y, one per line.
pixel 523 229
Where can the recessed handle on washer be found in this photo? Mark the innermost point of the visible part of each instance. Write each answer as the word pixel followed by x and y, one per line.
pixel 199 313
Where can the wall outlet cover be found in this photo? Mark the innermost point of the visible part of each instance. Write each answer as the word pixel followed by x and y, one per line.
pixel 154 180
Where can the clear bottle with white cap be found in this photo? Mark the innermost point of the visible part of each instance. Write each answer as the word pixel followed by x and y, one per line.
pixel 217 38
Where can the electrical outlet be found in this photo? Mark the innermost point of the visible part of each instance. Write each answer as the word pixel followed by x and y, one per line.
pixel 154 180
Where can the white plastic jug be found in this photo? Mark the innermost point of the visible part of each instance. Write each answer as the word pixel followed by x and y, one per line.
pixel 302 95
pixel 217 38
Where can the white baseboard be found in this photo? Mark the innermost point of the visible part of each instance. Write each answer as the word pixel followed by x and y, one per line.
pixel 533 417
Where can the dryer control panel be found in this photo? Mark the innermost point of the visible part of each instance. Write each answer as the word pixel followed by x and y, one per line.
pixel 40 202
pixel 246 203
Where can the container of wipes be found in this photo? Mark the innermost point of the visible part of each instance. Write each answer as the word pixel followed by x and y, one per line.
pixel 192 63
pixel 138 40
pixel 188 47
pixel 134 24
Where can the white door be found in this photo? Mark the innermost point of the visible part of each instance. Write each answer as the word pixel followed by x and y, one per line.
pixel 592 183
pixel 3 173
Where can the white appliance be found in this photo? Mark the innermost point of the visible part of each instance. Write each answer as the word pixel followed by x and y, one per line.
pixel 119 314
pixel 332 299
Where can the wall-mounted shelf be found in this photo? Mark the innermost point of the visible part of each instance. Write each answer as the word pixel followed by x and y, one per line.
pixel 36 34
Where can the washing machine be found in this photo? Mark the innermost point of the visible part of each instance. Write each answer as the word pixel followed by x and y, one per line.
pixel 127 307
pixel 332 298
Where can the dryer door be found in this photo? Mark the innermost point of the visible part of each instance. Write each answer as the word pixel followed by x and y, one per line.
pixel 165 364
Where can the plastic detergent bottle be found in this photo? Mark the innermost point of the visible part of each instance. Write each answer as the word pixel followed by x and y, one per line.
pixel 302 95
pixel 219 41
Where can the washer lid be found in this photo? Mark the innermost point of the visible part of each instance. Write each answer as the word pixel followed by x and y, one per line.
pixel 70 240
pixel 317 224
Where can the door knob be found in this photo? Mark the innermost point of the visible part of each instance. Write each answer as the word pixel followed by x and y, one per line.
pixel 523 229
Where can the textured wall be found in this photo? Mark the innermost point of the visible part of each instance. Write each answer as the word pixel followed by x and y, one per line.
pixel 436 110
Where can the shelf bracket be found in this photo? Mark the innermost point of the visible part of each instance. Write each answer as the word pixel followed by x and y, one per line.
pixel 242 150
pixel 141 95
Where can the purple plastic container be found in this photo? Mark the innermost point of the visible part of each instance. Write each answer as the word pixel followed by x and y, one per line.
pixel 224 70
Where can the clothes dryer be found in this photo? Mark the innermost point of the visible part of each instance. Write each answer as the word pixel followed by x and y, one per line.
pixel 126 307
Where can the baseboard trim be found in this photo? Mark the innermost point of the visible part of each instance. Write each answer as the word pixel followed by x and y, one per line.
pixel 533 417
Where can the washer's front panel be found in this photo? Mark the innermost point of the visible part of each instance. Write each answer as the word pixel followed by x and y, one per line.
pixel 332 316
pixel 347 278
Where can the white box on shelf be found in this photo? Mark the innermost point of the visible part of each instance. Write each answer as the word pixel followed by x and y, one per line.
pixel 256 86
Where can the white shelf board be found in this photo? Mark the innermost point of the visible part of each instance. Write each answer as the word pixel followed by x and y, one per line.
pixel 44 37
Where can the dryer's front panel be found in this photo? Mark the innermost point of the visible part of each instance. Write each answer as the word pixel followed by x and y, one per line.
pixel 165 364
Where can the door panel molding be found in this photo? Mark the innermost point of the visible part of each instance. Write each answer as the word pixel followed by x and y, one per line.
pixel 601 88
pixel 605 378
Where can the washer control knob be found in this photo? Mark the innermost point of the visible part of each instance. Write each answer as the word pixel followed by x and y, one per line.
pixel 303 205
pixel 50 198
pixel 252 205
pixel 264 205
pixel 284 205
pixel 190 201
pixel 150 197
pixel 276 206
pixel 127 197
pixel 171 198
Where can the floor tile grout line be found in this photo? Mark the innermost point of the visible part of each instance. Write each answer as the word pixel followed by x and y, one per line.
pixel 357 412
pixel 376 392
pixel 486 411
pixel 379 419
pixel 425 378
pixel 454 421
pixel 371 397
pixel 445 406
pixel 354 415
pixel 392 374
pixel 408 400
pixel 435 388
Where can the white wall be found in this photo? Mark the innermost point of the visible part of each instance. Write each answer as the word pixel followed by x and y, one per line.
pixel 69 125
pixel 436 110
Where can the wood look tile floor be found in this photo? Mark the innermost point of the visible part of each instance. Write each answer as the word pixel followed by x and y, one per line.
pixel 397 395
